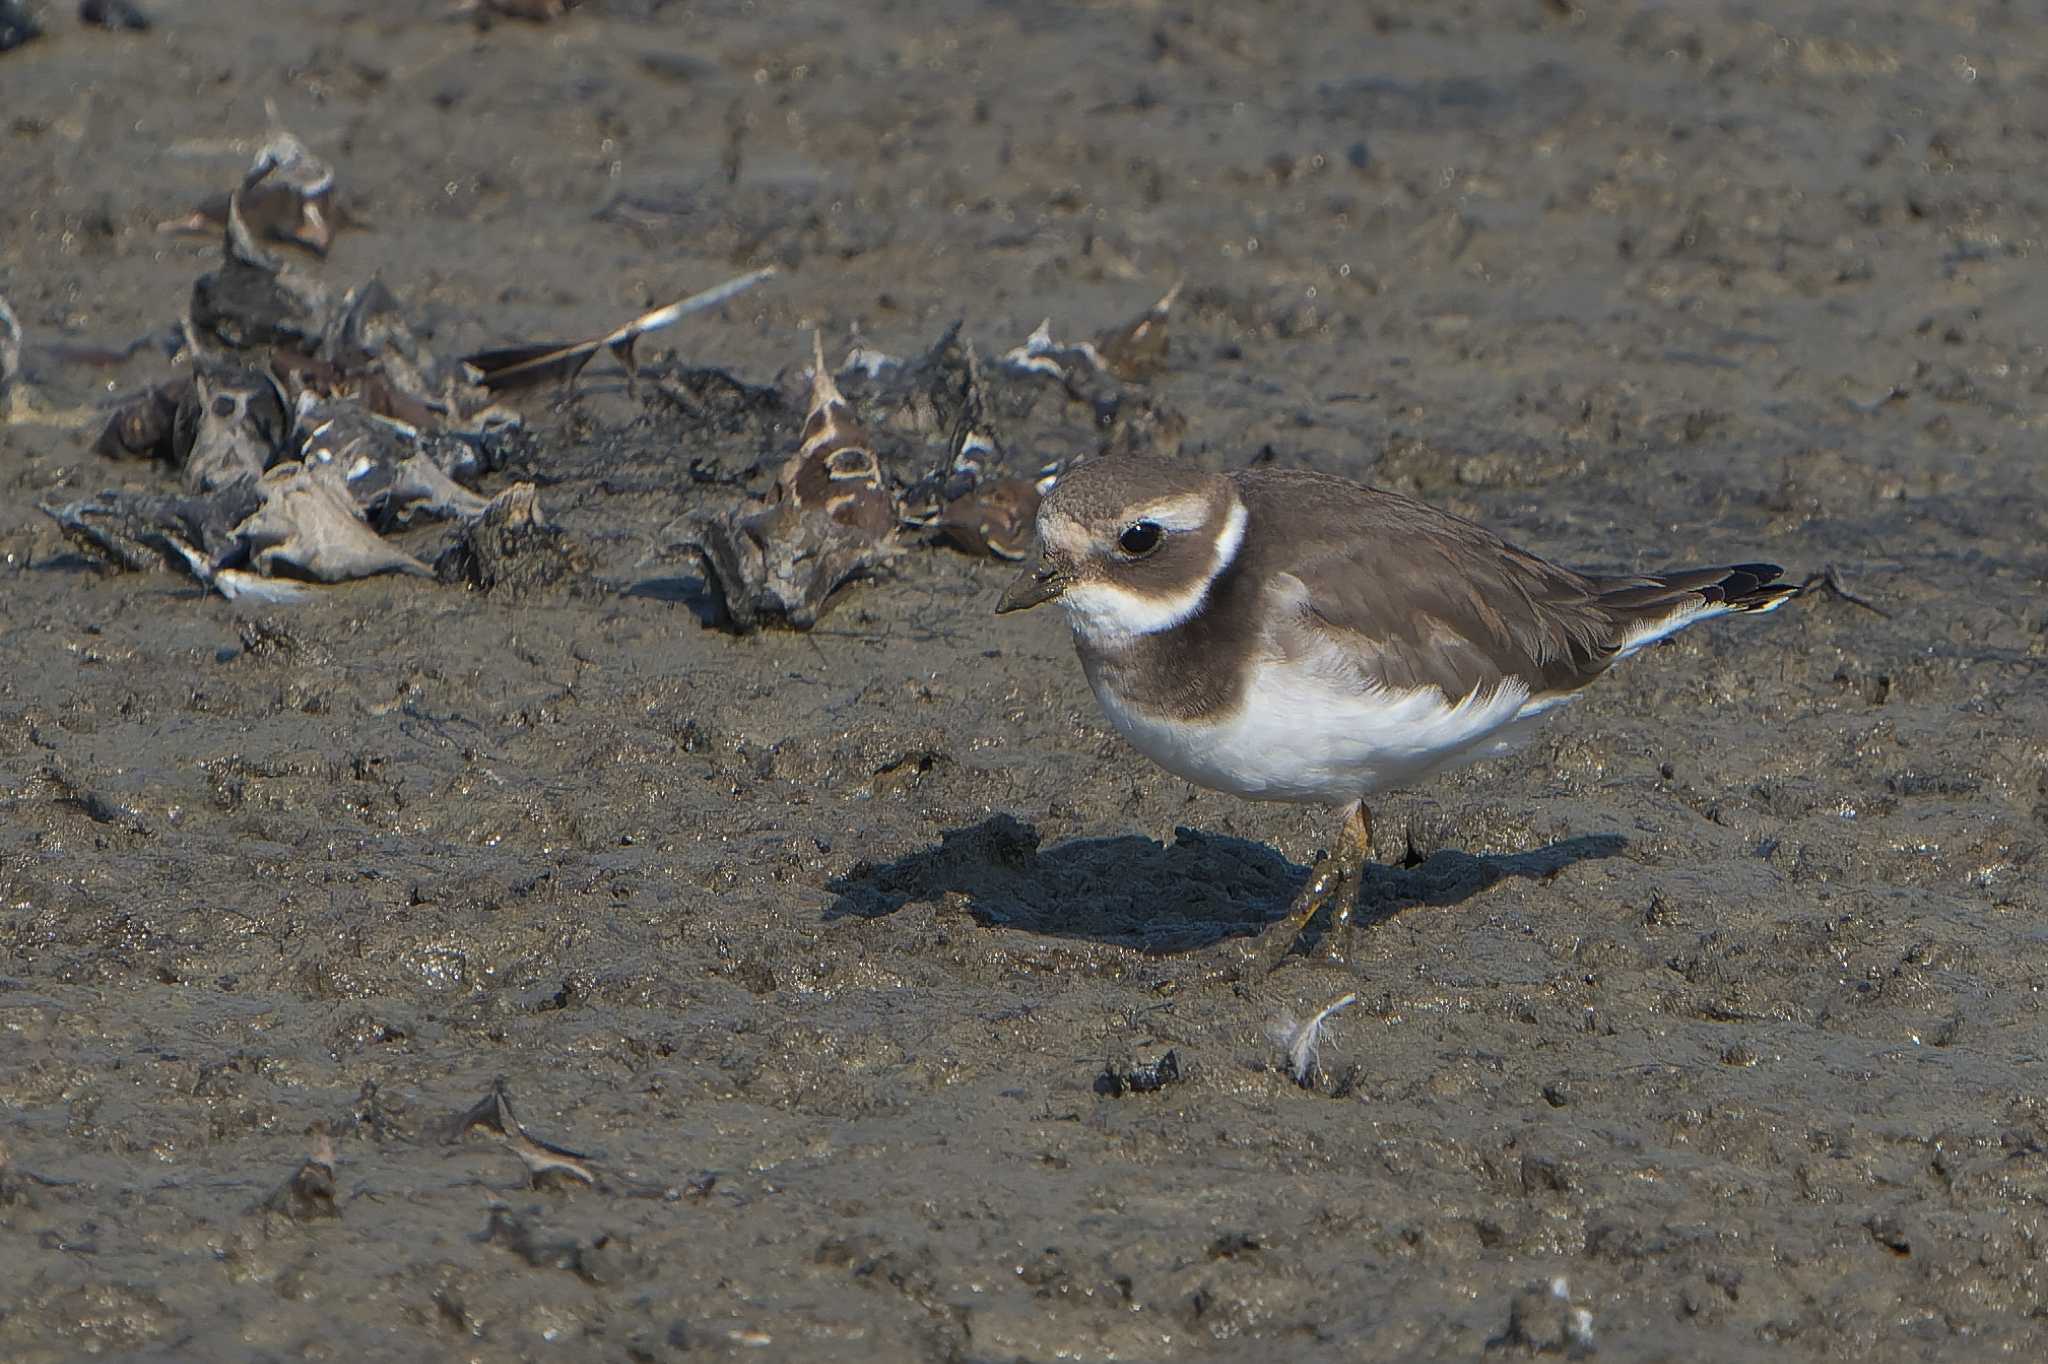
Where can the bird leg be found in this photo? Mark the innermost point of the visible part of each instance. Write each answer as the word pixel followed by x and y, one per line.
pixel 1326 882
pixel 1357 836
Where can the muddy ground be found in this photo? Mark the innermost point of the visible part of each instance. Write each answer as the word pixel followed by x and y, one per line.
pixel 1722 1001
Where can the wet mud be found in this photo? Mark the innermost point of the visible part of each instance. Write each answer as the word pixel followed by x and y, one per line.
pixel 519 963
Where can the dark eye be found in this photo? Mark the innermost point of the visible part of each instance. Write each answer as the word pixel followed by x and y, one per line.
pixel 1140 538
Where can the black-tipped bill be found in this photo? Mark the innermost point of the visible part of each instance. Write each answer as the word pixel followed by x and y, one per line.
pixel 1040 582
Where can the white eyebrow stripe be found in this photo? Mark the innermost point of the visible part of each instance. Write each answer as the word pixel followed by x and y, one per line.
pixel 1186 512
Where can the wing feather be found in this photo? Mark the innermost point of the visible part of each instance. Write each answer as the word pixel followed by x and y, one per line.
pixel 1419 597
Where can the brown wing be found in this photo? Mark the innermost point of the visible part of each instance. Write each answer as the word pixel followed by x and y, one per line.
pixel 1420 597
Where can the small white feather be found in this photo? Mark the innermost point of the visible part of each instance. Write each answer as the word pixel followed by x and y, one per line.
pixel 1302 1040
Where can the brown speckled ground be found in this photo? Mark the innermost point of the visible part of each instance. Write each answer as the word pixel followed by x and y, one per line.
pixel 1721 1001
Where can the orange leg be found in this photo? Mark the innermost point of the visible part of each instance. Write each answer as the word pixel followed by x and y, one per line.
pixel 1358 845
pixel 1325 883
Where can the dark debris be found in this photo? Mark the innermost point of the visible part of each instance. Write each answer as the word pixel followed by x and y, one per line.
pixel 1139 1077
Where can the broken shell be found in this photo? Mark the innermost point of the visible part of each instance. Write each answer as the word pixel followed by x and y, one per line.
pixel 231 425
pixel 309 523
pixel 253 299
pixel 998 519
pixel 1137 349
pixel 142 427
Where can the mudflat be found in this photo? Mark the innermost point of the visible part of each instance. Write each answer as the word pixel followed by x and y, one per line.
pixel 421 972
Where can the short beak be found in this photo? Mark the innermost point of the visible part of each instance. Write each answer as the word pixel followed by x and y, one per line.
pixel 1040 582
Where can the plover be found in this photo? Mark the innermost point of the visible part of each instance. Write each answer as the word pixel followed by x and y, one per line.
pixel 1286 635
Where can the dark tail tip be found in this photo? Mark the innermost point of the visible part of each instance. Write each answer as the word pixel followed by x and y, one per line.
pixel 1751 587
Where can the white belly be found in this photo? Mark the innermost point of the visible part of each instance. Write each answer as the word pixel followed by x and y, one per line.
pixel 1300 736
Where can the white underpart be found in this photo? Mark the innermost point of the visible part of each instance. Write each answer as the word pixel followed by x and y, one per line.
pixel 1543 705
pixel 1646 635
pixel 1313 734
pixel 1651 631
pixel 1104 613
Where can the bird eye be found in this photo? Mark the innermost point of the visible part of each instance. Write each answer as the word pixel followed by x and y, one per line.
pixel 1140 538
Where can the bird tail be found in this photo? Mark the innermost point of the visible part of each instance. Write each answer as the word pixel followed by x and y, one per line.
pixel 1651 607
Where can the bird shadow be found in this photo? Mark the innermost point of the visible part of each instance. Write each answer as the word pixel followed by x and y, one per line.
pixel 1130 891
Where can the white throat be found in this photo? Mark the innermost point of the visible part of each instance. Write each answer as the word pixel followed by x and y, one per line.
pixel 1105 614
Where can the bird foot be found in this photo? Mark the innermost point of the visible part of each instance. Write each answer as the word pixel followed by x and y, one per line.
pixel 1327 885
